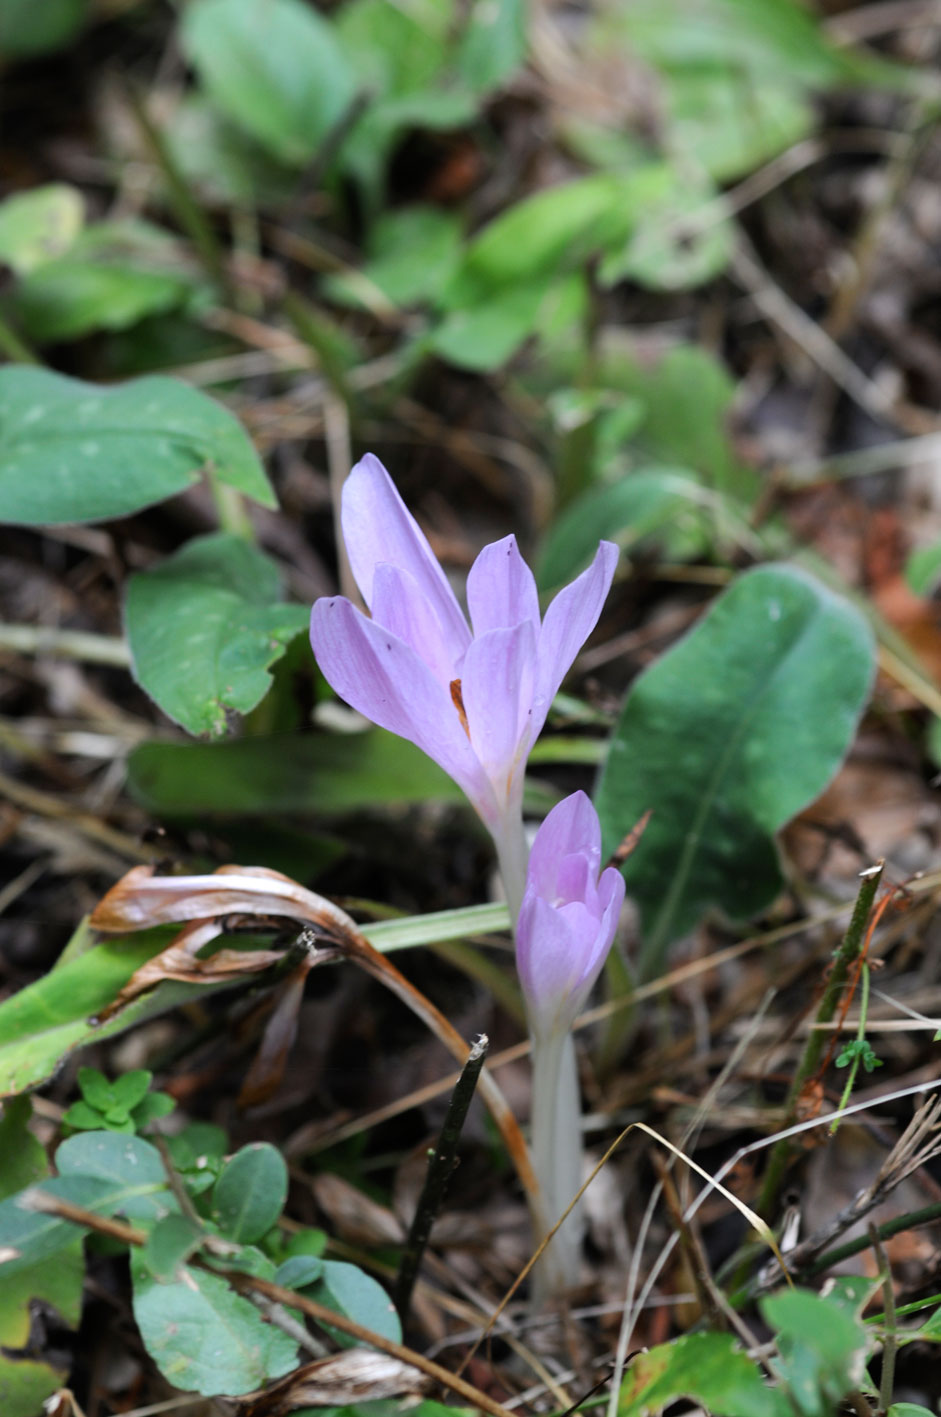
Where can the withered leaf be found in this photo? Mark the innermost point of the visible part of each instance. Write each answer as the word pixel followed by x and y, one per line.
pixel 355 1375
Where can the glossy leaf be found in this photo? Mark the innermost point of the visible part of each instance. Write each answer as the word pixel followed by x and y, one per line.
pixel 204 1337
pixel 250 1192
pixel 204 626
pixel 275 69
pixel 77 452
pixel 725 738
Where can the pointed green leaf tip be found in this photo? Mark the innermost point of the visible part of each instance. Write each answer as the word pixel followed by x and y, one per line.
pixel 727 737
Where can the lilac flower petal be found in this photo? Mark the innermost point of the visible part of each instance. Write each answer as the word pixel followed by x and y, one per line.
pixel 611 890
pixel 497 688
pixel 399 605
pixel 545 951
pixel 378 527
pixel 568 622
pixel 501 589
pixel 382 677
pixel 569 829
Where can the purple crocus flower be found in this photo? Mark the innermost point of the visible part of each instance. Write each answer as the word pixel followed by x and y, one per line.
pixel 568 916
pixel 472 696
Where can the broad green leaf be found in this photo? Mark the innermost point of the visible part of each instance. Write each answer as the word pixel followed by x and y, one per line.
pixel 205 1338
pixel 111 277
pixel 170 1244
pixel 731 122
pixel 37 226
pixel 908 1409
pixel 29 1236
pixel 823 1349
pixel 665 506
pixel 250 1192
pixel 122 1161
pixel 486 333
pixel 346 1289
pixel 204 626
pixel 27 29
pixel 681 239
pixel 727 737
pixel 25 1383
pixel 275 69
pixel 764 38
pixel 77 452
pixel 318 772
pixel 412 252
pixel 298 1271
pixel 493 45
pixel 707 1367
pixel 543 234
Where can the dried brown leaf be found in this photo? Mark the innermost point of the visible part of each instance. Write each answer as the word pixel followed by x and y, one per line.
pixel 355 1375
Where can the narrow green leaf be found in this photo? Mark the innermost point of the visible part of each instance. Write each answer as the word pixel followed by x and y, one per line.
pixel 205 1338
pixel 250 1192
pixel 77 452
pixel 275 69
pixel 204 627
pixel 727 737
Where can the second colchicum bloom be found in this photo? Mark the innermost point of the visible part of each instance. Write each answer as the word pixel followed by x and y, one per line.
pixel 474 697
pixel 565 929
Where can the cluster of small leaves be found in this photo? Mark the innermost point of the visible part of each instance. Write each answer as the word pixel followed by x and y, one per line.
pixel 199 1211
pixel 125 1105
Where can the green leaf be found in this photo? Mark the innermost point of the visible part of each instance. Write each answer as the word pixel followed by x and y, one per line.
pixel 681 239
pixel 29 1236
pixel 250 1192
pixel 25 1382
pixel 37 226
pixel 923 569
pixel 275 69
pixel 41 1025
pixel 152 1107
pixel 707 1367
pixel 660 505
pixel 298 1271
pixel 27 29
pixel 485 334
pixel 412 253
pixel 730 122
pixel 823 1349
pixel 77 452
pixel 124 1161
pixel 205 1338
pixel 730 734
pixel 346 1289
pixel 111 277
pixel 320 772
pixel 908 1409
pixel 493 45
pixel 131 1087
pixel 84 1118
pixel 204 626
pixel 170 1244
pixel 95 1088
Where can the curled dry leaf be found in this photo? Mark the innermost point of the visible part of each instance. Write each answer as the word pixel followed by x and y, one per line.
pixel 256 894
pixel 355 1375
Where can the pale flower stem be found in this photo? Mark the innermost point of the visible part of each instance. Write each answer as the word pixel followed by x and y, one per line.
pixel 512 856
pixel 557 1160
